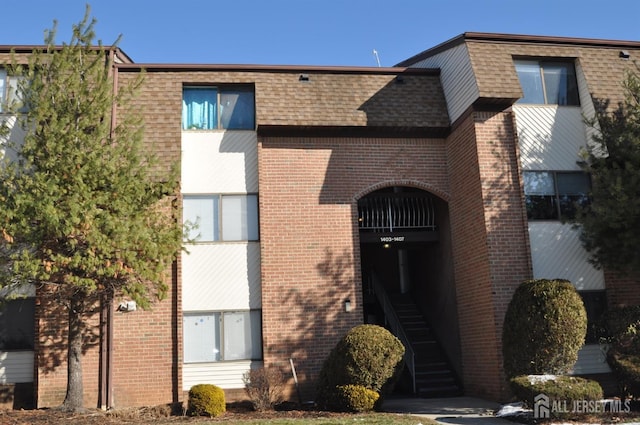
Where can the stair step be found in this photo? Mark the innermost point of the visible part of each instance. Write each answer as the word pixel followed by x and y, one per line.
pixel 433 375
pixel 450 391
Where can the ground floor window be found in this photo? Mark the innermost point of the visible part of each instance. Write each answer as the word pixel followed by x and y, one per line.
pixel 17 324
pixel 222 336
pixel 595 303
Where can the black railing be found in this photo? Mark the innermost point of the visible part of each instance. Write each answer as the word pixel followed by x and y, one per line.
pixel 396 213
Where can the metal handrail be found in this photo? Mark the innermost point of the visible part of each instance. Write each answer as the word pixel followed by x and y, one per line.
pixel 396 328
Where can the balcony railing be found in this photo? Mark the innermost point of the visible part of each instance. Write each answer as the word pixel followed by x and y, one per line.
pixel 396 213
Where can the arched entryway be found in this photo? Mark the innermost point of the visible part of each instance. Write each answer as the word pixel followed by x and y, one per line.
pixel 408 283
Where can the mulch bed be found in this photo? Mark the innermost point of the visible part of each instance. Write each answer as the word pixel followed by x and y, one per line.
pixel 155 415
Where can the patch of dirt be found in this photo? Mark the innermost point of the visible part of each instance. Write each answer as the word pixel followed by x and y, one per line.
pixel 156 415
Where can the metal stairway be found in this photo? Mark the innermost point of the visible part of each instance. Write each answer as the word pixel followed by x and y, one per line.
pixel 433 377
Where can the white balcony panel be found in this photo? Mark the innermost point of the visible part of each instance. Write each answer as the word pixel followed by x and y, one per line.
pixel 219 162
pixel 550 137
pixel 223 276
pixel 556 252
pixel 226 375
pixel 16 367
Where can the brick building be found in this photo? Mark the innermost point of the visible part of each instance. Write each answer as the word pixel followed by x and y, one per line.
pixel 416 197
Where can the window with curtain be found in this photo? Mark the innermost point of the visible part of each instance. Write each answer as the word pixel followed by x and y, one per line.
pixel 213 108
pixel 551 83
pixel 555 195
pixel 212 218
pixel 222 336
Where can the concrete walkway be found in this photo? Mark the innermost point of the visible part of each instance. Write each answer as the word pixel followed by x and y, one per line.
pixel 455 410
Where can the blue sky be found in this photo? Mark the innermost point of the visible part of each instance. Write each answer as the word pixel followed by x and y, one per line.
pixel 310 32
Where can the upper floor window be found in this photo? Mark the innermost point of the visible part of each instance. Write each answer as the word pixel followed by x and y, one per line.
pixel 221 217
pixel 551 83
pixel 8 89
pixel 555 195
pixel 213 108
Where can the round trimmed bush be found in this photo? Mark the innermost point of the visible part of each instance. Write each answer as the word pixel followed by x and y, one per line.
pixel 566 389
pixel 368 355
pixel 622 326
pixel 355 398
pixel 544 327
pixel 206 400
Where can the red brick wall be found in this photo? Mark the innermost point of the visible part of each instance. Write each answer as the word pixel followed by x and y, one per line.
pixel 51 353
pixel 490 242
pixel 145 344
pixel 309 237
pixel 622 290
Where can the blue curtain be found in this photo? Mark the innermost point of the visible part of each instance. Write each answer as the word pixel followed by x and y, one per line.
pixel 199 111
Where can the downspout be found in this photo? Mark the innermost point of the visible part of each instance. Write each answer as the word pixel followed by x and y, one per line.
pixel 106 311
pixel 109 383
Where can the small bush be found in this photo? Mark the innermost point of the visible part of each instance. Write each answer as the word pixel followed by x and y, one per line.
pixel 626 367
pixel 622 327
pixel 544 327
pixel 355 398
pixel 206 400
pixel 368 355
pixel 564 389
pixel 264 386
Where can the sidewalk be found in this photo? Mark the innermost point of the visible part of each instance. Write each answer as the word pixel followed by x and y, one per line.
pixel 455 410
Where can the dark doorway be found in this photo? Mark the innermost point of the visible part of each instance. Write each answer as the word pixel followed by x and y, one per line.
pixel 408 283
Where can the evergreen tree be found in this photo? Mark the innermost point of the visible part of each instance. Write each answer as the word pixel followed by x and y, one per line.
pixel 85 210
pixel 611 223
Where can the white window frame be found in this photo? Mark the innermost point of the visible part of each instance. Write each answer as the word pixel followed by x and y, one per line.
pixel 216 346
pixel 552 191
pixel 8 90
pixel 246 222
pixel 222 103
pixel 541 64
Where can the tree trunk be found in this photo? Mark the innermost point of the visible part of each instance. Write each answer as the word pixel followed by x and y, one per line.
pixel 74 400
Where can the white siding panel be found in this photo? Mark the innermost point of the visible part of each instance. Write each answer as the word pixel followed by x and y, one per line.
pixel 15 136
pixel 16 367
pixel 457 78
pixel 586 102
pixel 219 162
pixel 224 276
pixel 556 252
pixel 592 358
pixel 226 375
pixel 550 137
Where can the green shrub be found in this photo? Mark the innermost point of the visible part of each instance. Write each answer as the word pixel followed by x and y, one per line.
pixel 264 386
pixel 563 389
pixel 368 355
pixel 355 398
pixel 206 400
pixel 626 368
pixel 622 329
pixel 544 327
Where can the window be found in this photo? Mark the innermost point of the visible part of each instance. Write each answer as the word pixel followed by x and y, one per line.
pixel 222 336
pixel 213 108
pixel 8 89
pixel 555 195
pixel 595 303
pixel 17 324
pixel 551 83
pixel 221 217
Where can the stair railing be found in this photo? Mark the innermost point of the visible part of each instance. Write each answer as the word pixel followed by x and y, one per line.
pixel 393 321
